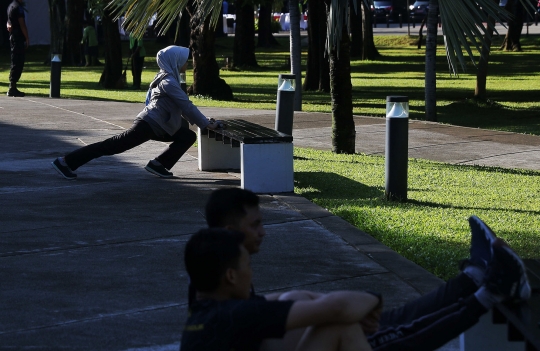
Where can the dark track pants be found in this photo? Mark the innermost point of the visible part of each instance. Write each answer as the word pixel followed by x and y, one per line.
pixel 430 321
pixel 17 45
pixel 138 134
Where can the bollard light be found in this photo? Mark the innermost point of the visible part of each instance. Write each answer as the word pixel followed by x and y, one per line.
pixel 285 103
pixel 183 85
pixel 396 150
pixel 56 73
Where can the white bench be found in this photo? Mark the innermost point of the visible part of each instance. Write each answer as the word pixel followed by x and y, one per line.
pixel 264 156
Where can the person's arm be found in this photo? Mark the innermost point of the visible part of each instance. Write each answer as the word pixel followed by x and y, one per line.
pixel 24 30
pixel 333 308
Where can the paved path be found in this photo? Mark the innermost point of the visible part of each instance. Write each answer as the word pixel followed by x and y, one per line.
pixel 96 263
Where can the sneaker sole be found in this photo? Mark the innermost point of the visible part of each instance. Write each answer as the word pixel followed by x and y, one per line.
pixel 524 286
pixel 158 174
pixel 490 235
pixel 61 173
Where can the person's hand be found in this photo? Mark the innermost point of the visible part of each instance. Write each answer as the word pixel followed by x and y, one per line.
pixel 8 26
pixel 216 124
pixel 370 323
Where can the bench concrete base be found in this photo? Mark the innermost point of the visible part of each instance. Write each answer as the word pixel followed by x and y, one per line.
pixel 486 335
pixel 265 168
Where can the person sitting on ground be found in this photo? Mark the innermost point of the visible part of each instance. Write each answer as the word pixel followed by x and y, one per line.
pixel 225 317
pixel 160 120
pixel 492 274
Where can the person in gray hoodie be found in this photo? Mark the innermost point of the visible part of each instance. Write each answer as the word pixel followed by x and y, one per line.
pixel 161 120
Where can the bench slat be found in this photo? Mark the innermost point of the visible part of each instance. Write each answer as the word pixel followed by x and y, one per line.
pixel 248 133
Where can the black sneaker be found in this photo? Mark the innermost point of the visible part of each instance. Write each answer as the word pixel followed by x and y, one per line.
pixel 158 170
pixel 15 93
pixel 482 238
pixel 507 275
pixel 65 171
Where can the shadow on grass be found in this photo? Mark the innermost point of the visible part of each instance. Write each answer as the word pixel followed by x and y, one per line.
pixel 342 188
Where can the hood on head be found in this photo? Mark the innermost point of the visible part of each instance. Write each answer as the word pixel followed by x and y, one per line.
pixel 172 58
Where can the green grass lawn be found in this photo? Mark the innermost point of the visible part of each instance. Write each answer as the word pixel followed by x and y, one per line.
pixel 431 228
pixel 513 83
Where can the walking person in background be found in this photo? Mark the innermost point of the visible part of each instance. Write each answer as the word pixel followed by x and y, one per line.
pixel 161 120
pixel 138 52
pixel 90 44
pixel 18 42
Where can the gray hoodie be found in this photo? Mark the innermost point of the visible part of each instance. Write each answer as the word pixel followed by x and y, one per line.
pixel 166 102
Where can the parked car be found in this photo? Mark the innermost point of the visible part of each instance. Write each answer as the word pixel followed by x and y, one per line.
pixel 418 10
pixel 381 8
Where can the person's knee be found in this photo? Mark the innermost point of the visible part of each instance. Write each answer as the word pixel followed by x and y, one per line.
pixel 192 136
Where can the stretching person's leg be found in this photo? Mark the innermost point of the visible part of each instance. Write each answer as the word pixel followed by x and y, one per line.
pixel 139 133
pixel 182 140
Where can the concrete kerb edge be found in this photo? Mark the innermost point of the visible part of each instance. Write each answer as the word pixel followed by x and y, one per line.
pixel 411 273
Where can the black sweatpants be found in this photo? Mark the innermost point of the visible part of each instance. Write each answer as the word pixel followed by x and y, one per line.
pixel 430 321
pixel 138 134
pixel 17 45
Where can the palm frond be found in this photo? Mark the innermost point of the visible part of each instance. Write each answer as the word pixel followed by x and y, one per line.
pixel 465 25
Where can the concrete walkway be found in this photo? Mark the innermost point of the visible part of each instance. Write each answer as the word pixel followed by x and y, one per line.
pixel 96 263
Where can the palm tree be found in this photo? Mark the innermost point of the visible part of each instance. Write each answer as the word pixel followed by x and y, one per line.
pixel 463 30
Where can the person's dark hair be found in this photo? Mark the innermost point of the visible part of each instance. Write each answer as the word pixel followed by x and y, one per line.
pixel 208 255
pixel 227 206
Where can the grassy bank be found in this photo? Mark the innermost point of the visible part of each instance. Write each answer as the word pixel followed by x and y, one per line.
pixel 431 228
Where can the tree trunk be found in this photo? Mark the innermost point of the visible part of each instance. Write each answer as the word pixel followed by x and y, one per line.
pixel 515 26
pixel 183 30
pixel 318 67
pixel 244 38
pixel 206 80
pixel 266 38
pixel 369 51
pixel 57 15
pixel 112 72
pixel 343 131
pixel 431 58
pixel 296 51
pixel 72 41
pixel 357 39
pixel 481 74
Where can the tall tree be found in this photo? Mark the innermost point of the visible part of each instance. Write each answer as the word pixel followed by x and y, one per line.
pixel 112 71
pixel 265 36
pixel 480 91
pixel 338 48
pixel 318 67
pixel 357 36
pixel 74 15
pixel 206 80
pixel 343 129
pixel 369 51
pixel 512 40
pixel 111 77
pixel 431 61
pixel 244 37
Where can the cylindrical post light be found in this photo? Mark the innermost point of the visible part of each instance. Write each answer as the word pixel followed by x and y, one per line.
pixel 285 103
pixel 56 73
pixel 397 144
